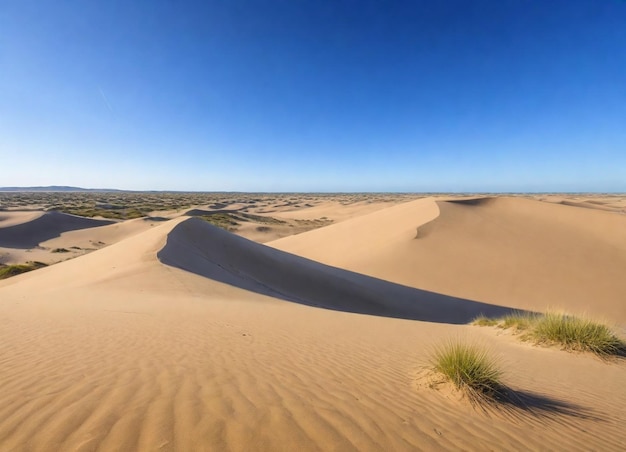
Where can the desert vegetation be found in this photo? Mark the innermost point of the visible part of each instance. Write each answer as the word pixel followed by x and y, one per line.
pixel 231 221
pixel 126 205
pixel 6 271
pixel 570 332
pixel 470 369
pixel 222 220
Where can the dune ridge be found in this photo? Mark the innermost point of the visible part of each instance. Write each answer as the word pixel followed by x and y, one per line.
pixel 201 248
pixel 42 227
pixel 512 252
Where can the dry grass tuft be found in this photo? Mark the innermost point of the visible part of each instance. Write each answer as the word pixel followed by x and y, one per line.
pixel 572 333
pixel 470 369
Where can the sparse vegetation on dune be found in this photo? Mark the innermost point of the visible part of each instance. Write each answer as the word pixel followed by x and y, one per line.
pixel 231 221
pixel 222 220
pixel 261 219
pixel 520 321
pixel 576 333
pixel 470 369
pixel 482 320
pixel 125 205
pixel 6 271
pixel 570 332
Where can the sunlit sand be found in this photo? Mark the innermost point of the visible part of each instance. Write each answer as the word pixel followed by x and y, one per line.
pixel 167 332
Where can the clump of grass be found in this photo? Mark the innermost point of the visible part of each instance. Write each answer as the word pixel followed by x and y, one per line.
pixel 521 321
pixel 6 271
pixel 575 333
pixel 60 250
pixel 572 333
pixel 483 320
pixel 222 220
pixel 470 369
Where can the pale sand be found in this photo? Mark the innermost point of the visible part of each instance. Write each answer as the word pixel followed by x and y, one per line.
pixel 508 251
pixel 31 236
pixel 115 350
pixel 334 210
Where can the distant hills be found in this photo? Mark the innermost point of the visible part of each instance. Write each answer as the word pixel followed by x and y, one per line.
pixel 56 188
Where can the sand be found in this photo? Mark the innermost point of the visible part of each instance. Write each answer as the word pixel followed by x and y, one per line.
pixel 34 236
pixel 185 337
pixel 513 252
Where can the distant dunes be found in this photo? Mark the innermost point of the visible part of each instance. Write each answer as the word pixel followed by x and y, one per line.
pixel 42 227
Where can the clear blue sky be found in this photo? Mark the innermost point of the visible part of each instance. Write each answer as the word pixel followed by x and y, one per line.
pixel 297 95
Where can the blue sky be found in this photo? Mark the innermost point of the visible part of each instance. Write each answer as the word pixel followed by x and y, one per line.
pixel 296 95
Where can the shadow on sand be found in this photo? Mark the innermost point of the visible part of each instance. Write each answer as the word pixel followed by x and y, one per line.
pixel 517 404
pixel 203 249
pixel 48 226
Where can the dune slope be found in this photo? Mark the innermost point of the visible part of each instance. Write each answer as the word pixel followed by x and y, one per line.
pixel 45 226
pixel 196 246
pixel 507 251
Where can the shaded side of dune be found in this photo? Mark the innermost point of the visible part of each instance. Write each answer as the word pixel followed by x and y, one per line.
pixel 198 247
pixel 201 212
pixel 47 226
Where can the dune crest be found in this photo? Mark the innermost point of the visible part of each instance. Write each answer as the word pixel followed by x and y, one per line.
pixel 42 227
pixel 196 246
pixel 507 251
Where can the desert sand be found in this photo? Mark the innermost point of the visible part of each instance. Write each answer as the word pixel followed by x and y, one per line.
pixel 174 334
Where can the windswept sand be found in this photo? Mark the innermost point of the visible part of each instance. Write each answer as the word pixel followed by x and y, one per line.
pixel 27 230
pixel 184 337
pixel 32 236
pixel 513 252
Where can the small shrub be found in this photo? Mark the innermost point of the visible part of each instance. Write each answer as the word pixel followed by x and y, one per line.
pixel 575 333
pixel 519 320
pixel 469 368
pixel 222 220
pixel 6 271
pixel 483 320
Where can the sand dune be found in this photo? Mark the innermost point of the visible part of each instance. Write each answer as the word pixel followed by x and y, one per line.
pixel 508 251
pixel 73 242
pixel 42 227
pixel 335 210
pixel 592 205
pixel 13 218
pixel 103 235
pixel 200 212
pixel 121 350
pixel 206 250
pixel 609 203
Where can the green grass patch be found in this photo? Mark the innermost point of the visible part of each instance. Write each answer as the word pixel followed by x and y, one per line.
pixel 574 333
pixel 483 320
pixel 260 219
pixel 222 220
pixel 6 271
pixel 570 332
pixel 470 369
pixel 519 320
